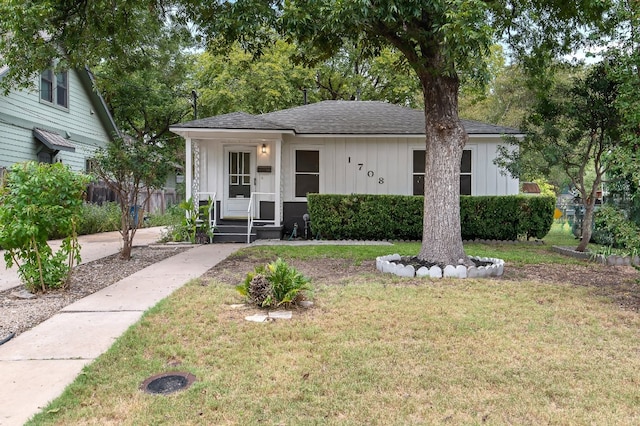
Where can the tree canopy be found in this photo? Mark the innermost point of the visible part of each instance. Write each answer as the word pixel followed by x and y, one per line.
pixel 443 41
pixel 576 126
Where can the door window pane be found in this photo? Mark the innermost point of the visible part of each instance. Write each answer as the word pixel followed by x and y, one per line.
pixel 239 174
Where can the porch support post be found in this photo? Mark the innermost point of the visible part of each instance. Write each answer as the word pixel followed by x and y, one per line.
pixel 188 169
pixel 278 207
pixel 196 174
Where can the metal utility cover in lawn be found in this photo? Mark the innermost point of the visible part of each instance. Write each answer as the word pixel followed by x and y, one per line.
pixel 166 383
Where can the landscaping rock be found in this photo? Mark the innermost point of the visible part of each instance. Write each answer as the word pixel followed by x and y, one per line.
pixel 422 272
pixel 487 267
pixel 238 306
pixel 450 271
pixel 473 272
pixel 435 272
pixel 257 318
pixel 281 315
pixel 406 271
pixel 23 295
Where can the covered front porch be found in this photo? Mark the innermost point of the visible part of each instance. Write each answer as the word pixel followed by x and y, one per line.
pixel 239 177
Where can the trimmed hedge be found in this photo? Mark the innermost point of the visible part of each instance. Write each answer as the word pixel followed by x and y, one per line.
pixel 399 217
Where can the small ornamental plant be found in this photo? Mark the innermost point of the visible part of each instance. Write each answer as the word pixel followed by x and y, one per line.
pixel 275 284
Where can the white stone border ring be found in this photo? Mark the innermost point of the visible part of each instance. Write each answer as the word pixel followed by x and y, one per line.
pixel 390 264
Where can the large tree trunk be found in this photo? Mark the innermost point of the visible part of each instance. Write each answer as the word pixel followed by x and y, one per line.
pixel 445 140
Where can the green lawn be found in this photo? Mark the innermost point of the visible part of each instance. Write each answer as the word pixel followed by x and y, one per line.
pixel 375 352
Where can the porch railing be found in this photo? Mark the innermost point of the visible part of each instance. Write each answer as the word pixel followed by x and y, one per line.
pixel 212 208
pixel 251 212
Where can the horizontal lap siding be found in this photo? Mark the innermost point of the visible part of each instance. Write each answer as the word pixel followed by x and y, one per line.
pixel 15 145
pixel 21 111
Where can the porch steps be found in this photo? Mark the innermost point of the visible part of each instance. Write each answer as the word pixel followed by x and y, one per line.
pixel 232 233
pixel 235 231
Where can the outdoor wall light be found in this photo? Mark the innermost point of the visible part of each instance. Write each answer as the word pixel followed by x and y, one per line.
pixel 264 148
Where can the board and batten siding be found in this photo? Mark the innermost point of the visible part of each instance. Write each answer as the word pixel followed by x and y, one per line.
pixel 384 165
pixel 22 110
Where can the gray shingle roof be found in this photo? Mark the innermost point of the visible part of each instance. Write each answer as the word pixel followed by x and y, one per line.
pixel 233 121
pixel 339 118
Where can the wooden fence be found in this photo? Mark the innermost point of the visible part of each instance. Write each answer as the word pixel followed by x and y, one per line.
pixel 157 202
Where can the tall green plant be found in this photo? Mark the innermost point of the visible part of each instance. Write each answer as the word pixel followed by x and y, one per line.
pixel 36 201
pixel 194 226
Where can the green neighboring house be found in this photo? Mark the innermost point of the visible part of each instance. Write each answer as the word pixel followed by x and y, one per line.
pixel 60 119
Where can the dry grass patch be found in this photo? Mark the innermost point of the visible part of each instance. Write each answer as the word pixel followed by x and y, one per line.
pixel 373 351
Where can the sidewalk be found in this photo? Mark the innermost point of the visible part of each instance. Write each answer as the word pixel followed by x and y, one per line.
pixel 92 247
pixel 36 366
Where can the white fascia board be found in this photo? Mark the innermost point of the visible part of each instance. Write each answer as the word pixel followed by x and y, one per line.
pixel 400 135
pixel 222 133
pixel 357 135
pixel 496 135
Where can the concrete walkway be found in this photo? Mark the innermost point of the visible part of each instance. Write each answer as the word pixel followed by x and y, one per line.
pixel 38 365
pixel 92 247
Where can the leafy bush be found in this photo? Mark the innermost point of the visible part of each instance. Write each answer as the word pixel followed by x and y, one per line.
pixel 36 201
pixel 613 229
pixel 173 215
pixel 399 217
pixel 275 284
pixel 95 218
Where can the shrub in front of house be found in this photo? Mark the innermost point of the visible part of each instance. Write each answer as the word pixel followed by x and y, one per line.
pixel 613 229
pixel 97 218
pixel 399 217
pixel 30 216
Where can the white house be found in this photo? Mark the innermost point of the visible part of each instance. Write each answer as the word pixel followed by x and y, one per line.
pixel 262 166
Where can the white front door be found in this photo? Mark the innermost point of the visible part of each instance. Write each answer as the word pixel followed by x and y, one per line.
pixel 239 181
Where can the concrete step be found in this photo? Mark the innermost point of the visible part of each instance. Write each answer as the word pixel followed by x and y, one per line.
pixel 233 237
